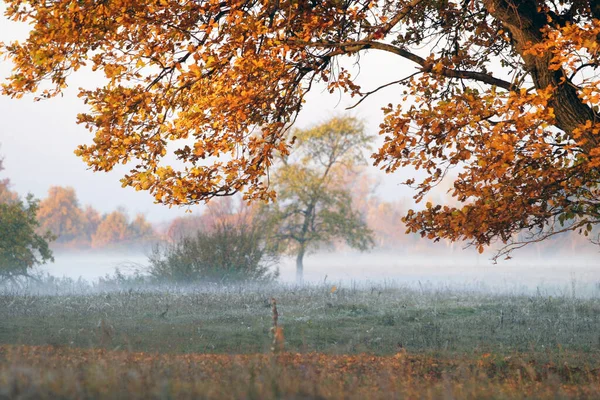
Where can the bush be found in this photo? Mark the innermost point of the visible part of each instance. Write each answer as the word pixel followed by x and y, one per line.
pixel 226 253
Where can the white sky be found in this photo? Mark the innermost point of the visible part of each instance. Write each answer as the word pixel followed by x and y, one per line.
pixel 37 139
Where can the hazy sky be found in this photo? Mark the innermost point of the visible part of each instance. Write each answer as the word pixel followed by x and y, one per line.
pixel 37 139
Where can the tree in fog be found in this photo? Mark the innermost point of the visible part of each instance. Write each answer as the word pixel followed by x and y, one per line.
pixel 21 247
pixel 314 200
pixel 6 195
pixel 92 220
pixel 60 214
pixel 115 229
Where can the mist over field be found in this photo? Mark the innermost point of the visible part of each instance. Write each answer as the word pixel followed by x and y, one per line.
pixel 525 273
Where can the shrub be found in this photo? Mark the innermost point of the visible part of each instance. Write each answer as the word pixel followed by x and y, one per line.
pixel 226 253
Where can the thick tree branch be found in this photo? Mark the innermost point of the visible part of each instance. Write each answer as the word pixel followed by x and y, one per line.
pixel 426 66
pixel 595 8
pixel 447 72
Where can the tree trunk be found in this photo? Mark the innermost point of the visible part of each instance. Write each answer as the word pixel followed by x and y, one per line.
pixel 302 240
pixel 525 23
pixel 300 265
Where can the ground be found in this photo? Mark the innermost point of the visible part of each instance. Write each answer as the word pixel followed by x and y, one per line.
pixel 340 342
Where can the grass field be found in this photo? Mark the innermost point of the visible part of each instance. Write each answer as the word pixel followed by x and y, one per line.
pixel 376 341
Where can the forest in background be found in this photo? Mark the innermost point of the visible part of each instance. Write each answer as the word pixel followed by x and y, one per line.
pixel 80 226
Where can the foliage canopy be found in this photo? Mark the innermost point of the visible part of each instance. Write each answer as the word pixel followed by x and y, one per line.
pixel 506 90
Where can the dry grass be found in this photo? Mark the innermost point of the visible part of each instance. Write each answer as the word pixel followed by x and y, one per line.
pixel 61 372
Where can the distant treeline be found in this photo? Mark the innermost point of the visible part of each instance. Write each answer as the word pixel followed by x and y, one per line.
pixel 76 226
pixel 84 227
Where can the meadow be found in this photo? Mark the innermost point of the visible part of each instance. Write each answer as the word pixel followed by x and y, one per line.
pixel 340 341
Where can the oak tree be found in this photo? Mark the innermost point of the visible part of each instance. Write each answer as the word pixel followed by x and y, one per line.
pixel 314 198
pixel 140 229
pixel 115 230
pixel 112 230
pixel 60 214
pixel 92 220
pixel 21 247
pixel 507 91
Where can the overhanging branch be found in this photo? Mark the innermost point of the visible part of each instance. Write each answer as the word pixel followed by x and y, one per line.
pixel 426 66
